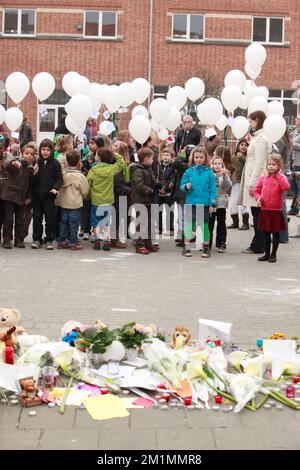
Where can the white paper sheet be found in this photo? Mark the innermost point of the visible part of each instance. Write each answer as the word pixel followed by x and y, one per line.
pixel 284 349
pixel 10 375
pixel 214 329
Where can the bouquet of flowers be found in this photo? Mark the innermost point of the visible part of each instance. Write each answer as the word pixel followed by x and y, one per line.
pixel 132 335
pixel 94 339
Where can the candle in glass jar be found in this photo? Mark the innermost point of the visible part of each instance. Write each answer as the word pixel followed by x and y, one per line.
pixel 188 401
pixel 290 391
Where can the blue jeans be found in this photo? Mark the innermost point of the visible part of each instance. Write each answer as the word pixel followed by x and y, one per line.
pixel 69 225
pixel 295 189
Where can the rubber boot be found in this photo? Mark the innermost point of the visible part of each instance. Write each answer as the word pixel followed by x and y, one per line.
pixel 245 225
pixel 235 221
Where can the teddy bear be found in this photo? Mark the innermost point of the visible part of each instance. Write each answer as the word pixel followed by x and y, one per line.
pixel 180 337
pixel 10 317
pixel 29 392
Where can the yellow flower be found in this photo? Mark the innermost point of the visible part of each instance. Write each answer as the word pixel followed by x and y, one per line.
pixel 236 357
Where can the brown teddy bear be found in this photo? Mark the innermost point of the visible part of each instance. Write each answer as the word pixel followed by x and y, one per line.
pixel 180 337
pixel 10 317
pixel 29 392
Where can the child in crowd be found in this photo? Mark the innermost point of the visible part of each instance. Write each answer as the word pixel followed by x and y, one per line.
pixel 16 195
pixel 101 181
pixel 96 143
pixel 29 156
pixel 122 187
pixel 15 149
pixel 238 161
pixel 74 189
pixel 81 144
pixel 269 195
pixel 223 186
pixel 47 181
pixel 167 178
pixel 199 184
pixel 143 187
pixel 64 143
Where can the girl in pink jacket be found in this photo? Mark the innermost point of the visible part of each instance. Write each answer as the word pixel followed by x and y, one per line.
pixel 269 195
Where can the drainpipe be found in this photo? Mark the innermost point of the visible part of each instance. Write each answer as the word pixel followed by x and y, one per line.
pixel 150 43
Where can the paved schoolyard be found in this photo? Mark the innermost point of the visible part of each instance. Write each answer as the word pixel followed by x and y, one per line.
pixel 50 288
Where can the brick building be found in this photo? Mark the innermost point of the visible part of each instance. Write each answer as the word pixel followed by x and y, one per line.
pixel 165 41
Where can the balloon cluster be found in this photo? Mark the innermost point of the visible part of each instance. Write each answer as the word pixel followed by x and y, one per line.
pixel 164 115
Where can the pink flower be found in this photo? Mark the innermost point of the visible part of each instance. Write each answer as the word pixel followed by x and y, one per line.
pixel 139 328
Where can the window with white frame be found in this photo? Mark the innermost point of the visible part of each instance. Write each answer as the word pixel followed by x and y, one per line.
pixel 100 24
pixel 268 30
pixel 289 99
pixel 188 27
pixel 19 22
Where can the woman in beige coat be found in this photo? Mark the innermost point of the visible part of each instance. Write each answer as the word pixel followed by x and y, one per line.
pixel 258 151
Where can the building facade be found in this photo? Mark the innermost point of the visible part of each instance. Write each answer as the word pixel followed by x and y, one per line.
pixel 165 41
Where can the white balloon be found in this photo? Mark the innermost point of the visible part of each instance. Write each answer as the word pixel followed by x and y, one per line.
pixel 251 72
pixel 231 97
pixel 255 55
pixel 160 109
pixel 240 126
pixel 163 134
pixel 43 85
pixel 274 127
pixel 140 111
pixel 2 114
pixel 80 85
pixel 13 118
pixel 140 128
pixel 201 113
pixel 258 103
pixel 17 86
pixel 126 94
pixel 177 97
pixel 173 120
pixel 194 88
pixel 80 108
pixel 235 77
pixel 72 126
pixel 244 102
pixel 111 100
pixel 67 81
pixel 222 123
pixel 105 128
pixel 213 110
pixel 251 90
pixel 142 90
pixel 155 125
pixel 97 95
pixel 114 352
pixel 275 107
pixel 263 91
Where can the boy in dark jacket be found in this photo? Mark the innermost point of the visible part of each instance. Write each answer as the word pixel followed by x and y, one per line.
pixel 167 178
pixel 143 186
pixel 47 181
pixel 16 196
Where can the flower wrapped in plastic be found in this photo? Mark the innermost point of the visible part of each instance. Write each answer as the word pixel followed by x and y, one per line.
pixel 74 363
pixel 235 359
pixel 243 388
pixel 168 363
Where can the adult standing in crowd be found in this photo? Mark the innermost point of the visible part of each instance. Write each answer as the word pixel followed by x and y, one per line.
pixel 294 210
pixel 187 135
pixel 258 151
pixel 62 129
pixel 25 134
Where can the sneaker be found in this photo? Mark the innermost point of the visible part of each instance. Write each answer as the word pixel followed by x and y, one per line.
pixel 63 246
pixel 7 244
pixel 248 251
pixel 272 259
pixel 19 244
pixel 206 252
pixel 141 250
pixel 118 244
pixel 292 212
pixel 106 245
pixel 154 248
pixel 97 245
pixel 187 253
pixel 49 246
pixel 36 245
pixel 86 236
pixel 75 246
pixel 222 248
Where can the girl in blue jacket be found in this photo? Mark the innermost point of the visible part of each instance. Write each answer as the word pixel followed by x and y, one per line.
pixel 199 184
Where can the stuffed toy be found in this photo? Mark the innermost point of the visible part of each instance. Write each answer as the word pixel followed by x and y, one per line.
pixel 29 392
pixel 180 337
pixel 7 337
pixel 10 317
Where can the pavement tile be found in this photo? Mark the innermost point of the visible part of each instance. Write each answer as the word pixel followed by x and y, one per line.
pixel 189 439
pixel 130 439
pixel 47 418
pixel 72 440
pixel 285 418
pixel 9 416
pixel 257 438
pixel 19 440
pixel 212 419
pixel 157 419
pixel 84 421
